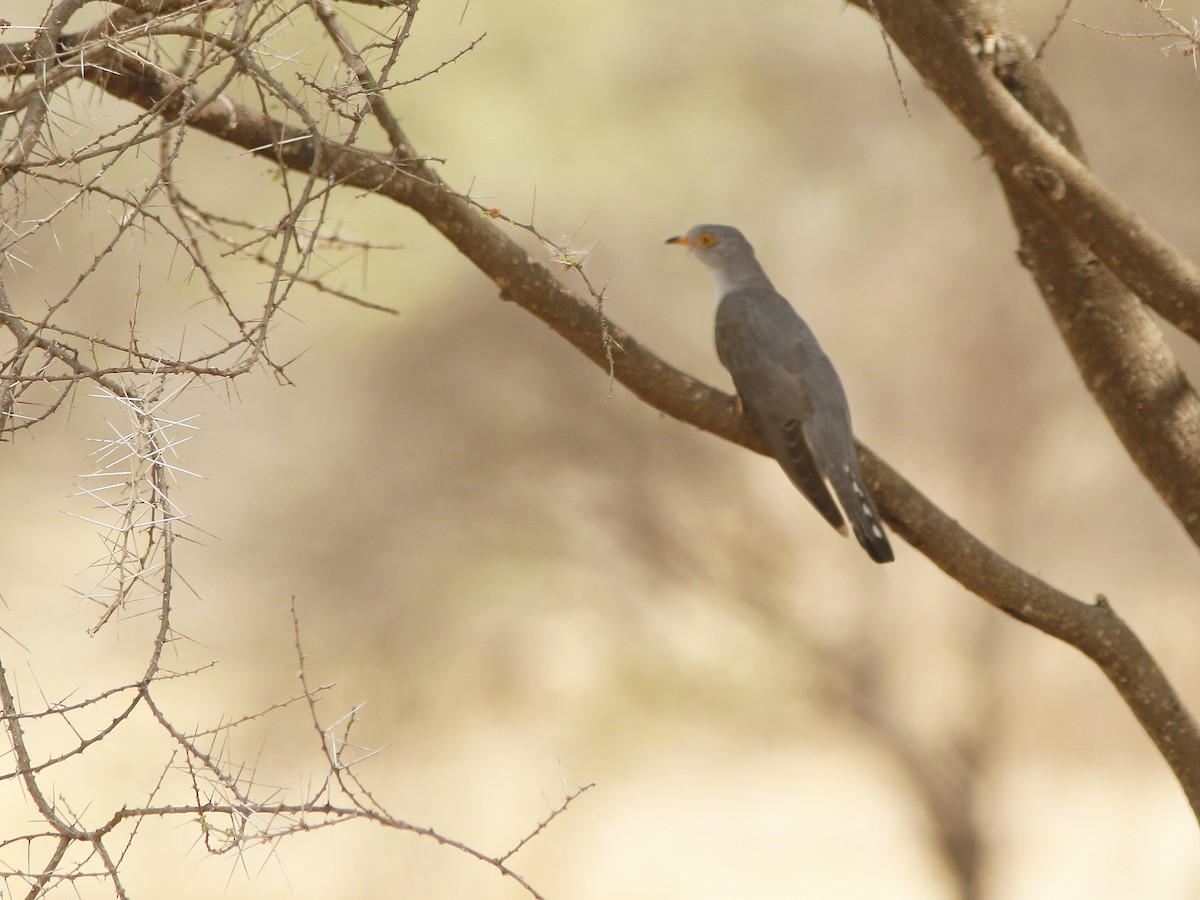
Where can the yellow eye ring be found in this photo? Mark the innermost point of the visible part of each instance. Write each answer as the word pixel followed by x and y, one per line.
pixel 706 239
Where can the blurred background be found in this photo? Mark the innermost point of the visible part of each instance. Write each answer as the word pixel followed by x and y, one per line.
pixel 529 584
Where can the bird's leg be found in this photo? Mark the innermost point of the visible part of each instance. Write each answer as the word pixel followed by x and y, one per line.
pixel 741 407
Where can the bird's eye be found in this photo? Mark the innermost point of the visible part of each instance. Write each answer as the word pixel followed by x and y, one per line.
pixel 706 239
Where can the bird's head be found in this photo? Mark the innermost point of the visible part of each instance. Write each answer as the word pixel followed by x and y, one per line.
pixel 712 241
pixel 725 252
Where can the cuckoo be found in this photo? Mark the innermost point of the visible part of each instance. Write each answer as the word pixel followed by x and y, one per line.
pixel 787 385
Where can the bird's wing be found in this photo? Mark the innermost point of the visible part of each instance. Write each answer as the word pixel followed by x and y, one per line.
pixel 767 349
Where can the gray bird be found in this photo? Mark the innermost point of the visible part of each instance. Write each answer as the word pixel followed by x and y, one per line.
pixel 787 384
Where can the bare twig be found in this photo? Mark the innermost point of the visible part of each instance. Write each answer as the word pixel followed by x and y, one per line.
pixel 1058 20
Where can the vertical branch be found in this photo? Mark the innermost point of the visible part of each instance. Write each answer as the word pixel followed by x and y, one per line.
pixel 43 49
pixel 25 769
pixel 401 148
pixel 48 870
pixel 1093 257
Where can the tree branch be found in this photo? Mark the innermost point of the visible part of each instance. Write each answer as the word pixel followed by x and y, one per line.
pixel 1062 211
pixel 960 47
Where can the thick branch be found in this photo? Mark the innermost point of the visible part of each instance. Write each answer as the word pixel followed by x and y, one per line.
pixel 1093 629
pixel 1061 210
pixel 960 53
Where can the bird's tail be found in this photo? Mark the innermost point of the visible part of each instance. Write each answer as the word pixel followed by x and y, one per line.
pixel 861 511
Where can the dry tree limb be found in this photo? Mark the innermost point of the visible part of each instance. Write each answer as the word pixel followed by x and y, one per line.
pixel 1092 256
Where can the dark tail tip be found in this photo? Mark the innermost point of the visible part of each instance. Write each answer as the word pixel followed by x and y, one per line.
pixel 877 548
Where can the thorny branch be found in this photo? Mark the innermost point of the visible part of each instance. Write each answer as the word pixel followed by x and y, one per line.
pixel 233 811
pixel 212 51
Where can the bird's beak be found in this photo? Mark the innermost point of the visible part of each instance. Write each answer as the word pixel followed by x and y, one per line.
pixel 680 239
